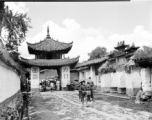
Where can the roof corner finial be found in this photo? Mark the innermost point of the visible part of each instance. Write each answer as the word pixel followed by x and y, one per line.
pixel 48 32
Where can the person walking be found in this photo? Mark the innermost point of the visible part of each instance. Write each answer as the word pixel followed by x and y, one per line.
pixel 88 91
pixel 91 89
pixel 83 92
pixel 80 93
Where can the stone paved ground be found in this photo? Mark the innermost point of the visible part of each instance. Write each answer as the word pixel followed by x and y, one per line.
pixel 65 105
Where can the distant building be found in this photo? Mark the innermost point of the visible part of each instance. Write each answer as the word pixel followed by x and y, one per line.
pixel 49 54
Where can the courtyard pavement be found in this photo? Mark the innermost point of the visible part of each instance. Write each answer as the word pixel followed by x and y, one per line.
pixel 65 105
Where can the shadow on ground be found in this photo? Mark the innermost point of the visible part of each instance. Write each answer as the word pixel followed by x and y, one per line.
pixel 40 111
pixel 125 103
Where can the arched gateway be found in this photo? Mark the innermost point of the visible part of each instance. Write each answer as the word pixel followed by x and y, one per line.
pixel 49 55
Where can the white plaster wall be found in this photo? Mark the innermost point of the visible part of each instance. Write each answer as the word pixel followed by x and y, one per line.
pixel 65 76
pixel 87 72
pixel 136 78
pixel 80 76
pixel 114 81
pixel 129 80
pixel 98 80
pixel 129 83
pixel 93 76
pixel 146 78
pixel 35 77
pixel 9 82
pixel 105 80
pixel 121 79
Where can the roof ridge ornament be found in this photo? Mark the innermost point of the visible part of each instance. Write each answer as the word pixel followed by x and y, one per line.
pixel 48 32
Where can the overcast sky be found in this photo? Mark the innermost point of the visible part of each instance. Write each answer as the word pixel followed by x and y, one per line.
pixel 88 24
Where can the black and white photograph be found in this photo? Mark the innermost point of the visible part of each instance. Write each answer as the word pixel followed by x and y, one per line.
pixel 76 60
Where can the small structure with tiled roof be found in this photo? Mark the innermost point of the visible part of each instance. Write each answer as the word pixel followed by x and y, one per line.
pixel 90 69
pixel 49 54
pixel 121 46
pixel 131 49
pixel 49 48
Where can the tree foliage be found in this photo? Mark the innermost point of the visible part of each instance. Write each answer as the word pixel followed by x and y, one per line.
pixel 146 52
pixel 16 25
pixel 114 52
pixel 97 53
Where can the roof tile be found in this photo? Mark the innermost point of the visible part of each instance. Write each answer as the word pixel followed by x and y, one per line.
pixel 90 62
pixel 49 45
pixel 51 62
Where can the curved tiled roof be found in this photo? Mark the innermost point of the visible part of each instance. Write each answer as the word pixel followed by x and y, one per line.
pixel 131 48
pixel 49 63
pixel 82 68
pixel 91 62
pixel 49 45
pixel 121 44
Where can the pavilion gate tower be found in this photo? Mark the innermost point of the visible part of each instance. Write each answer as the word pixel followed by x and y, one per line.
pixel 49 54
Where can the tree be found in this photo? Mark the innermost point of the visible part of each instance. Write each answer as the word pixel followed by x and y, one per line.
pixel 146 52
pixel 16 26
pixel 1 14
pixel 97 53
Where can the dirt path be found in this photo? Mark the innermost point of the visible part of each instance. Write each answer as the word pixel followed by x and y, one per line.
pixel 40 111
pixel 65 105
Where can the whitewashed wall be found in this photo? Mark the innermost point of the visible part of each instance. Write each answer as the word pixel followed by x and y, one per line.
pixel 146 79
pixel 121 79
pixel 65 76
pixel 136 78
pixel 98 81
pixel 92 75
pixel 80 76
pixel 131 81
pixel 114 81
pixel 9 82
pixel 105 82
pixel 87 72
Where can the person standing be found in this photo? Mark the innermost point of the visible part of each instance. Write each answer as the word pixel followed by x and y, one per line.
pixel 58 85
pixel 91 89
pixel 83 92
pixel 80 83
pixel 88 89
pixel 52 86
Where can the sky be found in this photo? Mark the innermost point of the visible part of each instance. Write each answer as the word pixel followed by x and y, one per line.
pixel 87 24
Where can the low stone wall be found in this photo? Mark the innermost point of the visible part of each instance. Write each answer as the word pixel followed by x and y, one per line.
pixel 12 107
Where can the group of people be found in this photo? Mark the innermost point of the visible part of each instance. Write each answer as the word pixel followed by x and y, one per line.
pixel 49 84
pixel 86 91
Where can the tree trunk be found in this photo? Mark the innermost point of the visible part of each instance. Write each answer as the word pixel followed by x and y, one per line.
pixel 1 14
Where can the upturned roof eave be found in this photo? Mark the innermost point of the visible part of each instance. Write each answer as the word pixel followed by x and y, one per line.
pixel 55 62
pixel 128 49
pixel 90 63
pixel 124 46
pixel 65 51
